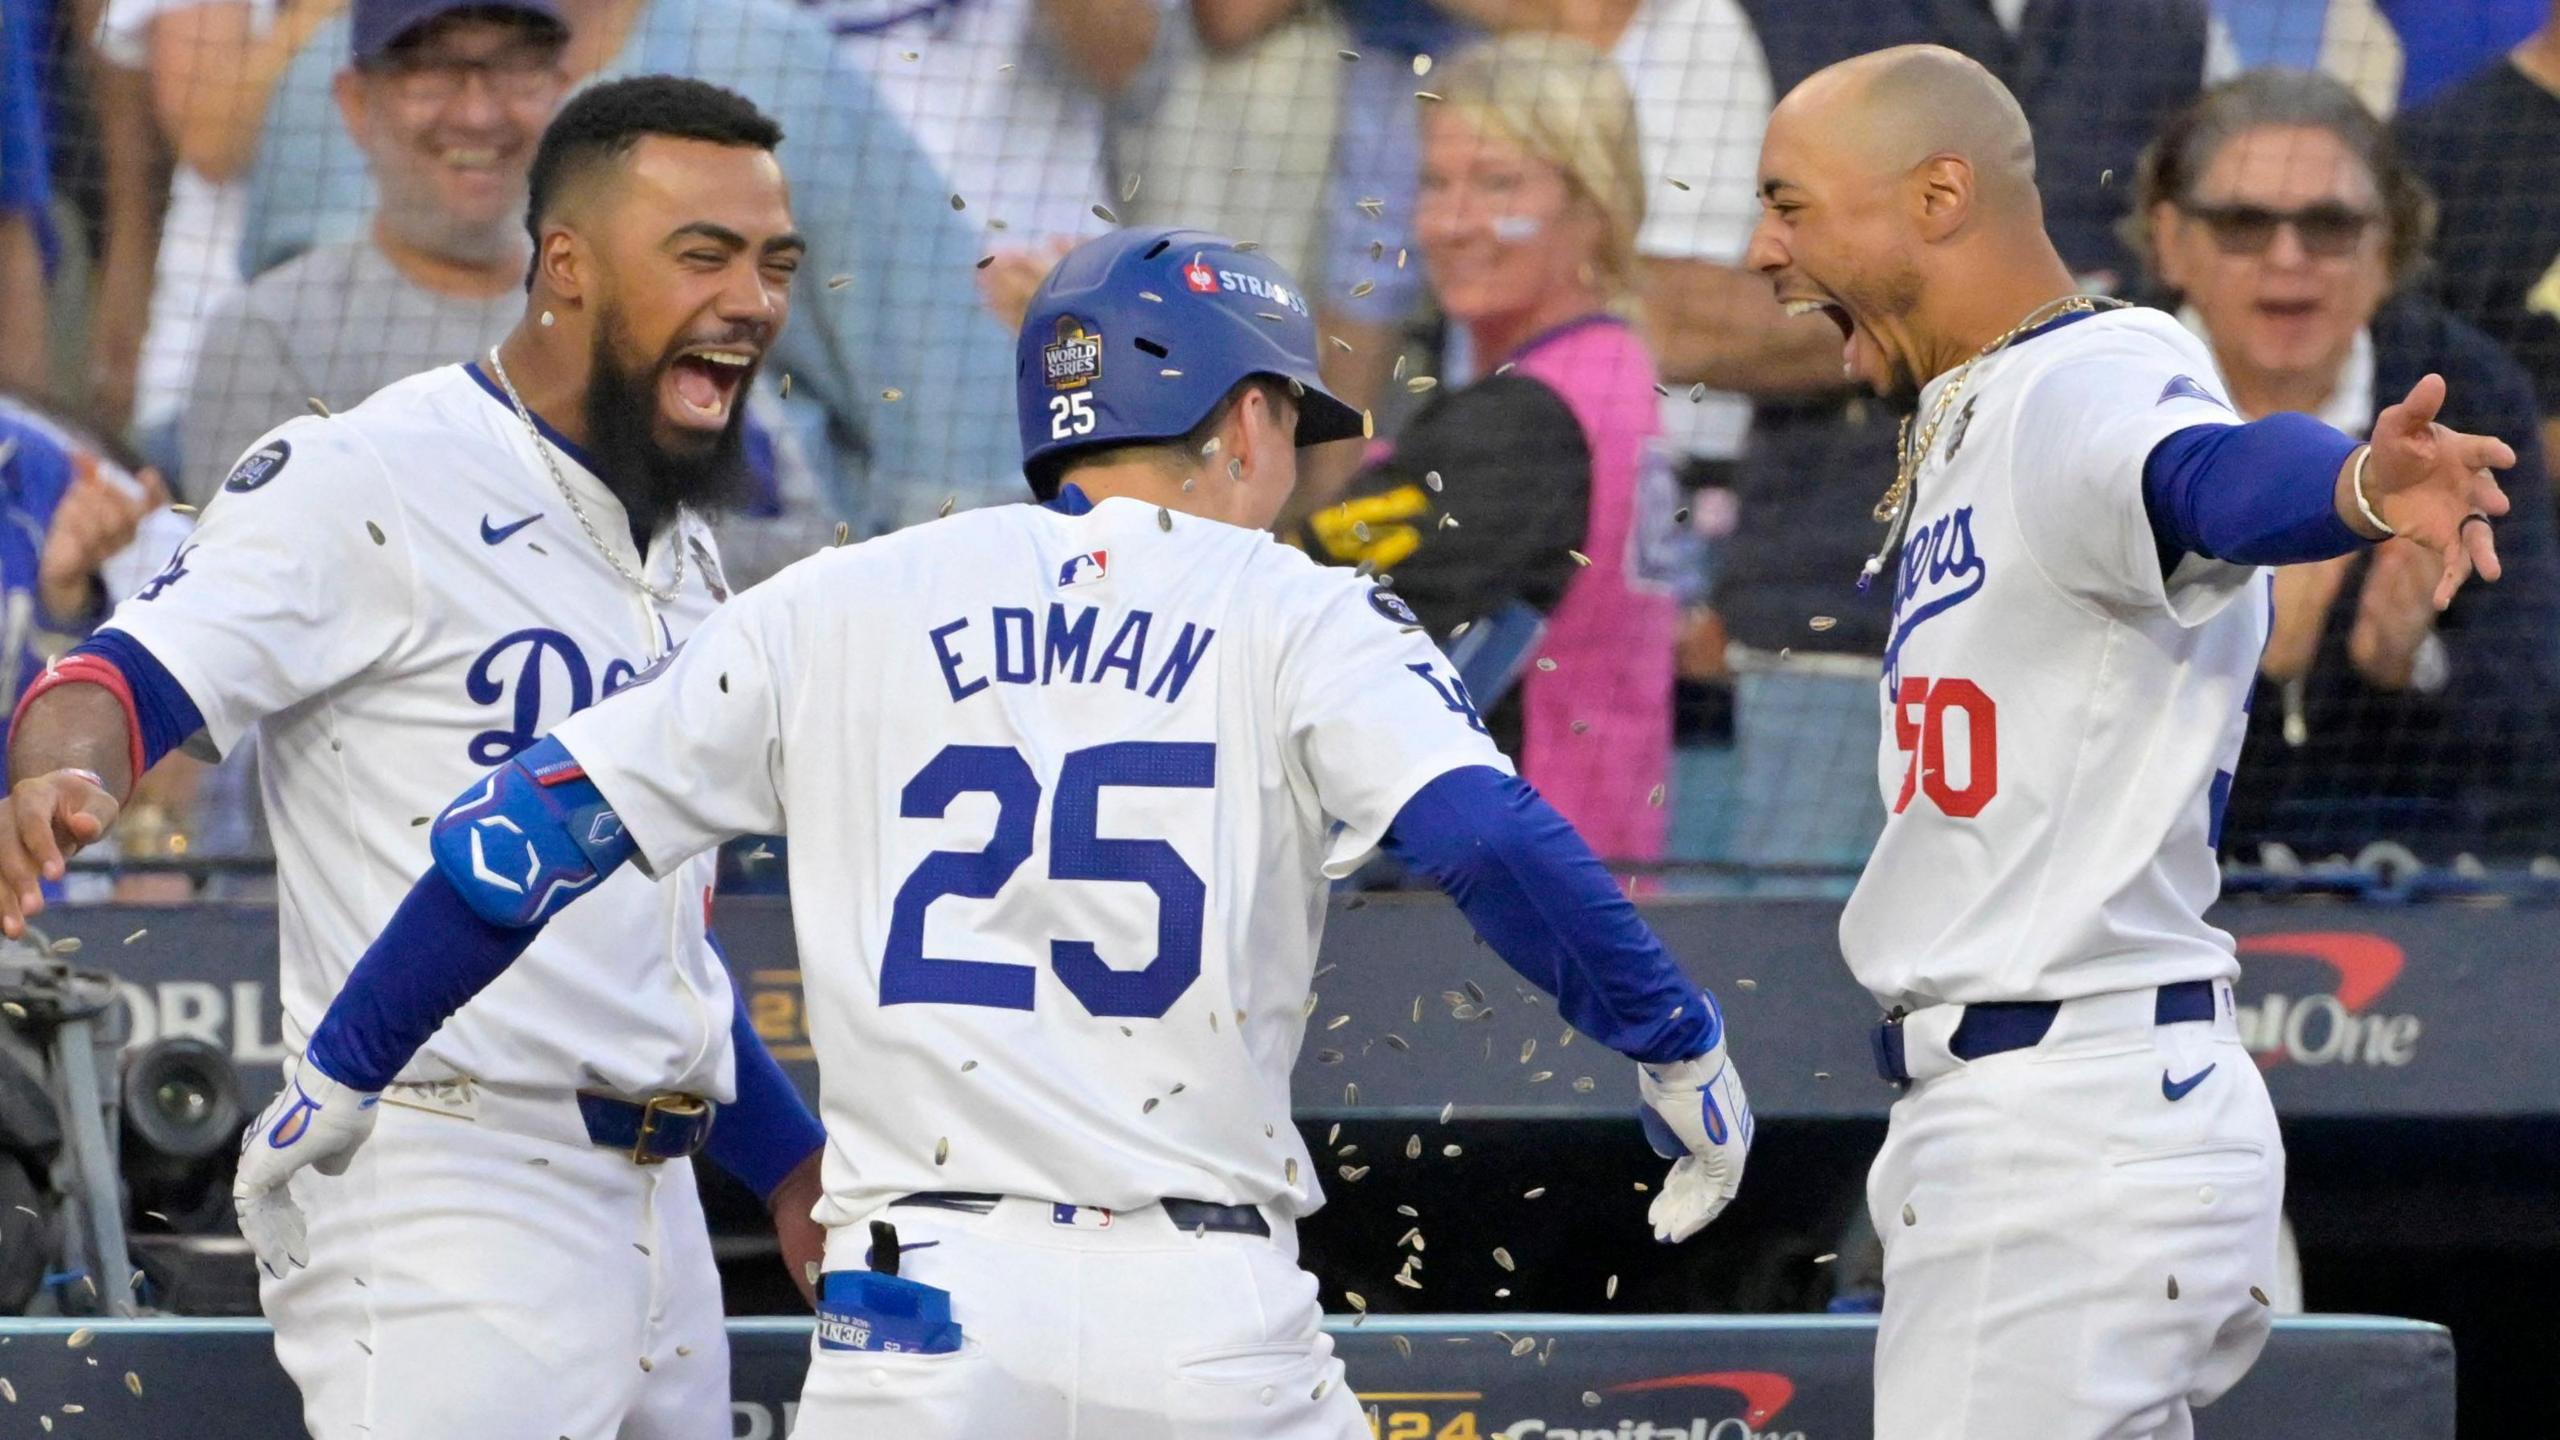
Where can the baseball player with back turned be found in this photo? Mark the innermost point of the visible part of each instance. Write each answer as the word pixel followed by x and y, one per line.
pixel 1064 784
pixel 393 599
pixel 2078 1193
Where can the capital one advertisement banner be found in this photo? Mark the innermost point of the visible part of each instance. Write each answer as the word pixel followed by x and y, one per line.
pixel 2352 1011
pixel 1784 1378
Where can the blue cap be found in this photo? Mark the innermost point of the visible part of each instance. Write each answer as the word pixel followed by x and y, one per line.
pixel 1138 334
pixel 377 25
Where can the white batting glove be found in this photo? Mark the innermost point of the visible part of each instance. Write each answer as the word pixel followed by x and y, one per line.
pixel 1695 1110
pixel 313 1121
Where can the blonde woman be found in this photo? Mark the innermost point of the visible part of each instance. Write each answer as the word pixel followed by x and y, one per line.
pixel 1520 515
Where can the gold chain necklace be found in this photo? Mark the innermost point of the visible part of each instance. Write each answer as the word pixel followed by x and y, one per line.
pixel 612 557
pixel 1894 509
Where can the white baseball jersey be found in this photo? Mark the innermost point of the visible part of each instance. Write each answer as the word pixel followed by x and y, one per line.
pixel 1063 792
pixel 396 599
pixel 2061 720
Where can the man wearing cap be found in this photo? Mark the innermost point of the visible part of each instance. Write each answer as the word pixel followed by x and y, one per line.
pixel 1064 784
pixel 446 98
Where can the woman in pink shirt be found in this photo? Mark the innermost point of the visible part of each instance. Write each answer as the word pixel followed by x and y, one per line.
pixel 1532 494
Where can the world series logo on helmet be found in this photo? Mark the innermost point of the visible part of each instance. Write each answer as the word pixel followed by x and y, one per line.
pixel 1073 359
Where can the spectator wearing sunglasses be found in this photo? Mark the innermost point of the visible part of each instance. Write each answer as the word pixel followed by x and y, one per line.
pixel 2284 224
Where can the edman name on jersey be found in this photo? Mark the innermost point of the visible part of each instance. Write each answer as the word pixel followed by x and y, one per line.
pixel 1015 647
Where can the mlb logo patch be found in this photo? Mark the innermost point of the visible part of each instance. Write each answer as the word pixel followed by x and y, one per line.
pixel 1080 1217
pixel 1090 568
pixel 1201 279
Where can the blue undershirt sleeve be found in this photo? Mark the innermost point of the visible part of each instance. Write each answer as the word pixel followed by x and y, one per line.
pixel 2264 493
pixel 764 1134
pixel 1547 906
pixel 160 704
pixel 436 954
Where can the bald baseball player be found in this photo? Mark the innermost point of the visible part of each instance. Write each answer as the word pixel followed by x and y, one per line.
pixel 1065 783
pixel 393 599
pixel 2078 1193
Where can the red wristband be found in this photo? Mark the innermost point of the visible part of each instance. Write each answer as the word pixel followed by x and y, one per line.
pixel 87 669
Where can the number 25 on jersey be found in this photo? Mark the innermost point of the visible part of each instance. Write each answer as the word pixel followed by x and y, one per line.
pixel 1924 711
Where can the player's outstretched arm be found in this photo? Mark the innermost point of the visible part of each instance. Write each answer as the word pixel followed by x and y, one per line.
pixel 84 732
pixel 1547 906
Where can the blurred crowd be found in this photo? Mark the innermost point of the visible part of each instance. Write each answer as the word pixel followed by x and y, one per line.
pixel 1629 495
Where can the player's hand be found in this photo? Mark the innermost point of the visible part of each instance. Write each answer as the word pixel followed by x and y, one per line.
pixel 804 1240
pixel 2428 482
pixel 50 818
pixel 1695 1110
pixel 314 1121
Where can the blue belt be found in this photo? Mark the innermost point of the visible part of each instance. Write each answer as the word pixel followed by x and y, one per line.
pixel 1996 1027
pixel 661 1128
pixel 1185 1214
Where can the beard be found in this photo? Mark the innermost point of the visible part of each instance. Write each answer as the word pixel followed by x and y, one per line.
pixel 707 474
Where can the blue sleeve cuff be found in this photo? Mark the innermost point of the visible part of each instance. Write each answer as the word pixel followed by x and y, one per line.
pixel 764 1134
pixel 160 704
pixel 2264 493
pixel 427 963
pixel 1552 911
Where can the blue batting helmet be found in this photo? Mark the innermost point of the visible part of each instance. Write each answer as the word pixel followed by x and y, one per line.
pixel 1138 334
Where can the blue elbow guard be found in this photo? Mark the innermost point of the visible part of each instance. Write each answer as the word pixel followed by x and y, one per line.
pixel 532 836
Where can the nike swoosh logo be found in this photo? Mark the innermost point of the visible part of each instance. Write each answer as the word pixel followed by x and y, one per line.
pixel 497 534
pixel 2177 1089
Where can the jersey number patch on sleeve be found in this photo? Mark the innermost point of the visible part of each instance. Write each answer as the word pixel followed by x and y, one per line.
pixel 908 976
pixel 1923 712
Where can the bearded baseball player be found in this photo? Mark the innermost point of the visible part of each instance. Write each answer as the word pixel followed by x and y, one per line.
pixel 394 599
pixel 2079 1191
pixel 1064 784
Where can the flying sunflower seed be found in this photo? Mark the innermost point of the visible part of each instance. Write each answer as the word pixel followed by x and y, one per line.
pixel 844 531
pixel 1542 1077
pixel 1528 1048
pixel 1451 1151
pixel 1150 1107
pixel 1351 1093
pixel 1170 373
pixel 1425 95
pixel 1421 64
pixel 1578 557
pixel 1413 1147
pixel 1394 1040
pixel 1446 1111
pixel 133 1382
pixel 1533 1193
pixel 968 1065
pixel 1351 1173
pixel 2173 1287
pixel 1448 522
pixel 1164 518
pixel 1400 254
pixel 1524 1345
pixel 1910 1216
pixel 1502 1258
pixel 1404 1347
pixel 1291 1171
pixel 317 408
pixel 1368 426
pixel 948 501
pixel 2261 1297
pixel 1584 1084
pixel 1341 344
pixel 942 1150
pixel 68 944
pixel 1129 191
pixel 1654 798
pixel 376 532
pixel 1546 663
pixel 1822 622
pixel 1591 1399
pixel 838 282
pixel 1151 296
pixel 1826 1259
pixel 959 204
pixel 1677 184
pixel 1103 214
pixel 1697 392
pixel 1328 1057
pixel 1363 288
pixel 1358 1301
pixel 1371 206
pixel 183 509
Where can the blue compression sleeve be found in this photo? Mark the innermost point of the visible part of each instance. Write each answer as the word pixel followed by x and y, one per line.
pixel 434 955
pixel 161 706
pixel 764 1134
pixel 2264 493
pixel 1547 906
